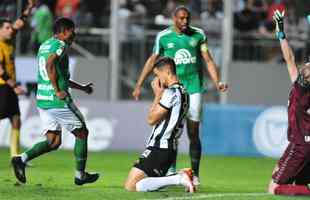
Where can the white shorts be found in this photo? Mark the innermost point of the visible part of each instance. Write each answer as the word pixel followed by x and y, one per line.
pixel 54 119
pixel 195 107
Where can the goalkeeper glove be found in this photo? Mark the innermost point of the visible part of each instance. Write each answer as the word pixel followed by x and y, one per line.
pixel 278 18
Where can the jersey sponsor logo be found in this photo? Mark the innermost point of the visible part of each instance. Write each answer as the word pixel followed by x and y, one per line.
pixel 45 98
pixel 307 138
pixel 270 131
pixel 170 45
pixel 183 56
pixel 308 111
pixel 45 87
pixel 45 47
pixel 146 153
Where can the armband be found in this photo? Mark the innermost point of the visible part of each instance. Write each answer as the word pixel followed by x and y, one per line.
pixel 280 35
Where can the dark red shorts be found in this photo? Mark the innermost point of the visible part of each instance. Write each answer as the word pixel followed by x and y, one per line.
pixel 294 165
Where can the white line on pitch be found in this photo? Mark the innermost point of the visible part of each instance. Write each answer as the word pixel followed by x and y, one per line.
pixel 208 196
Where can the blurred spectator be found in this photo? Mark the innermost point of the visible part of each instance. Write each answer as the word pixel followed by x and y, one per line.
pixel 211 22
pixel 275 5
pixel 131 15
pixel 246 20
pixel 297 30
pixel 42 24
pixel 67 8
pixel 8 9
pixel 100 13
pixel 238 5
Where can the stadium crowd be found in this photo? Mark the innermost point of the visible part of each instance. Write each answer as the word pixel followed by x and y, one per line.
pixel 252 19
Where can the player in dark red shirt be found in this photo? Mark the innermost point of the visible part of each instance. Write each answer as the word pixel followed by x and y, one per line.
pixel 292 173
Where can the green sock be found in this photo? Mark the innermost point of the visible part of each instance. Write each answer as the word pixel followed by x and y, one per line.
pixel 37 150
pixel 80 153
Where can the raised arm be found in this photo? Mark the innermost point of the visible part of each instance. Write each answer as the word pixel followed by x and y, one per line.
pixel 287 51
pixel 289 59
pixel 147 69
pixel 20 22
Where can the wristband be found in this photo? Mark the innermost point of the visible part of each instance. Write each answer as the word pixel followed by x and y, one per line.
pixel 280 35
pixel 23 17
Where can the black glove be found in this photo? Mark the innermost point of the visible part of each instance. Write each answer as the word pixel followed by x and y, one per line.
pixel 278 18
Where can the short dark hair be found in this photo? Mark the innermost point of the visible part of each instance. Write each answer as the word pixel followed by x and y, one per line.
pixel 4 20
pixel 166 61
pixel 179 8
pixel 62 24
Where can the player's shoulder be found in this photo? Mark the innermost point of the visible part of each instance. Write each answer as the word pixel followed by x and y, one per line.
pixel 165 32
pixel 198 31
pixel 56 42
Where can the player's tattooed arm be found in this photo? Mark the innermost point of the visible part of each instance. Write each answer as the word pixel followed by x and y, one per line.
pixel 52 75
pixel 88 88
pixel 212 69
pixel 147 69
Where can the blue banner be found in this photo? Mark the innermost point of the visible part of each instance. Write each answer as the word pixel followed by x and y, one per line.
pixel 244 130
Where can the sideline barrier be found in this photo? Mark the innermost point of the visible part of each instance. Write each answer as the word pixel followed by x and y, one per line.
pixel 226 130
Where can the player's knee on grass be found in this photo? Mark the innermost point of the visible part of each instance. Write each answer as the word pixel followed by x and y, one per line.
pixel 135 175
pixel 81 133
pixel 130 186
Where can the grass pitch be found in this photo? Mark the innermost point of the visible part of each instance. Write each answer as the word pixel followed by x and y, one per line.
pixel 51 178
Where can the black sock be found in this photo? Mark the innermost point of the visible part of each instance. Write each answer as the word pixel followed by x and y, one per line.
pixel 195 154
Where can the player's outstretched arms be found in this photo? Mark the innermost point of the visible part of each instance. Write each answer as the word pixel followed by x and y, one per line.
pixel 147 69
pixel 285 47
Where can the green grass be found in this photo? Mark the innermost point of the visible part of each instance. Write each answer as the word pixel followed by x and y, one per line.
pixel 51 178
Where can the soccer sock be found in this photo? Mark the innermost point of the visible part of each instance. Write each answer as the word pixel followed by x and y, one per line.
pixel 37 150
pixel 173 168
pixel 14 142
pixel 80 153
pixel 155 183
pixel 292 190
pixel 195 154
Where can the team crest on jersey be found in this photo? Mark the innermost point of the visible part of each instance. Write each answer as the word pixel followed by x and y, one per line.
pixel 170 45
pixel 193 42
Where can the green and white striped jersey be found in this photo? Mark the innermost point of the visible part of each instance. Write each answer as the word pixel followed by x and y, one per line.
pixel 46 95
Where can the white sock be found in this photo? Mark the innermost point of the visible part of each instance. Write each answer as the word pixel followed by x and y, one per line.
pixel 154 183
pixel 79 174
pixel 24 157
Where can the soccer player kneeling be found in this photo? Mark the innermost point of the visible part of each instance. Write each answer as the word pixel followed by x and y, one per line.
pixel 166 115
pixel 291 175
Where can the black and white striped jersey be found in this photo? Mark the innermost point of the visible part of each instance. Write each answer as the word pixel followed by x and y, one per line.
pixel 166 132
